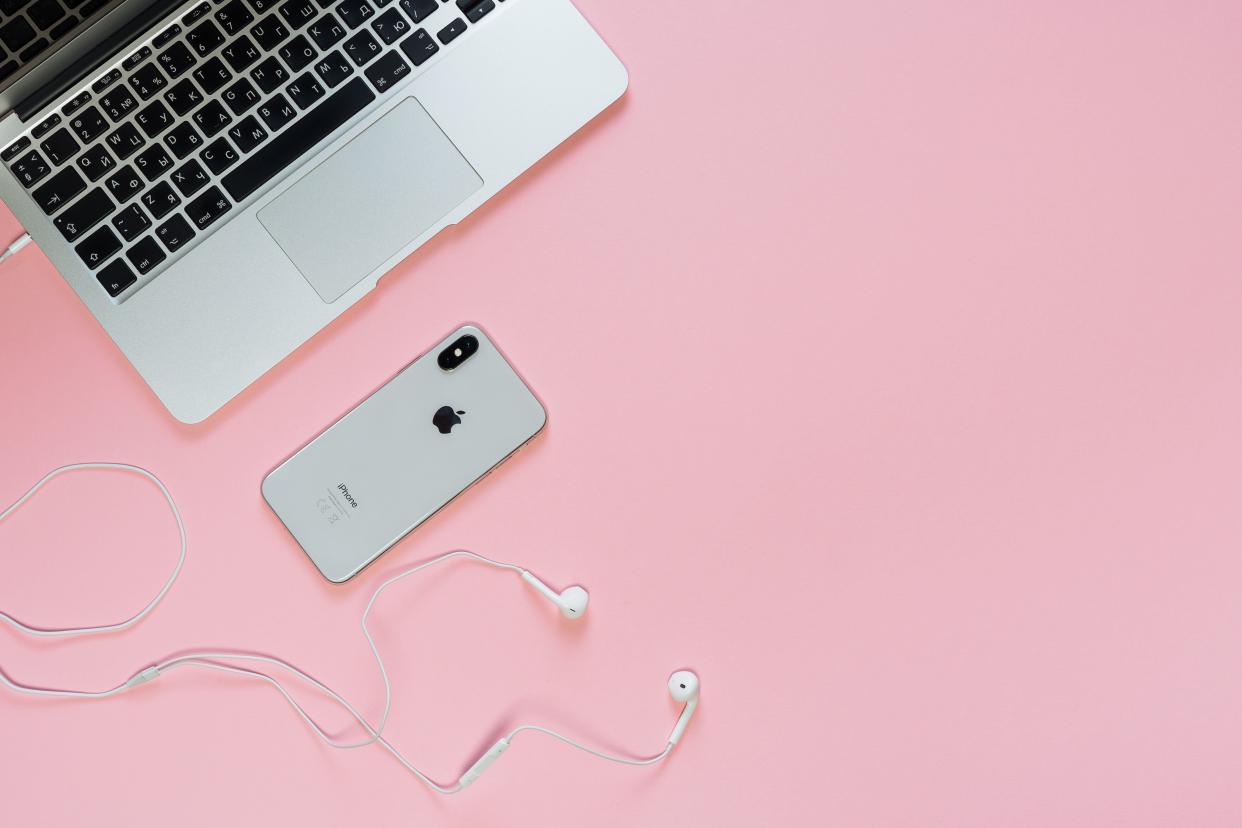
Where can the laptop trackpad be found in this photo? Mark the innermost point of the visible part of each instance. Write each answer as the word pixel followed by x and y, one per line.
pixel 369 199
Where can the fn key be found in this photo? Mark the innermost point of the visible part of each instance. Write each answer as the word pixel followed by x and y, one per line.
pixel 116 277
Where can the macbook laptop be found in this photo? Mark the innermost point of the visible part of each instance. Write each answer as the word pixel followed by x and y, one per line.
pixel 219 179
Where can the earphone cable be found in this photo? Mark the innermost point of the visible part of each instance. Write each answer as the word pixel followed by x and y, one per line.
pixel 159 596
pixel 212 659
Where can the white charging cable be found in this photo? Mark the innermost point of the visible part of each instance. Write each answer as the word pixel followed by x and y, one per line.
pixel 18 243
pixel 573 601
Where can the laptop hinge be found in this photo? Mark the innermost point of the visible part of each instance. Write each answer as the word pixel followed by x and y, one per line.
pixel 99 54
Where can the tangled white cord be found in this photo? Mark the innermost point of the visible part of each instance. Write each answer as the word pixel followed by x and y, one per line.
pixel 213 659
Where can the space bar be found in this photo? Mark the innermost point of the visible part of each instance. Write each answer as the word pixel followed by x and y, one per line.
pixel 289 146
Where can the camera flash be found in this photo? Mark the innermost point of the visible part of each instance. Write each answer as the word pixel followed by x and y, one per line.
pixel 457 352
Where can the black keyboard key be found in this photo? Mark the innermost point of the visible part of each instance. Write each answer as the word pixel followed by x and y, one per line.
pixel 46 13
pixel 212 118
pixel 176 59
pixel 116 277
pixel 277 112
pixel 247 134
pixel 219 156
pixel 240 96
pixel 269 33
pixel 124 184
pixel 30 168
pixel 124 141
pixel 106 81
pixel 475 9
pixel 208 207
pixel 63 28
pixel 153 119
pixel 189 178
pixel 160 199
pixel 305 91
pixel 45 127
pixel 269 74
pixel 95 162
pixel 362 48
pixel 96 248
pixel 11 7
pixel 174 233
pixel 261 6
pixel 136 58
pixel 183 140
pixel 88 124
pixel 75 103
pixel 148 81
pixel 195 13
pixel 291 144
pixel 387 71
pixel 297 53
pixel 452 31
pixel 14 149
pixel 212 75
pixel 354 12
pixel 240 53
pixel 234 16
pixel 419 47
pixel 16 33
pixel 29 53
pixel 145 255
pixel 297 13
pixel 419 10
pixel 334 69
pixel 131 222
pixel 83 214
pixel 153 162
pixel 326 31
pixel 60 146
pixel 183 97
pixel 204 38
pixel 391 26
pixel 165 36
pixel 59 190
pixel 118 103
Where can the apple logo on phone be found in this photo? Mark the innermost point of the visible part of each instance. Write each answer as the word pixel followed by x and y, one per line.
pixel 446 418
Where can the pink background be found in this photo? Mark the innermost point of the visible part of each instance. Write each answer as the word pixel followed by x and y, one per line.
pixel 892 357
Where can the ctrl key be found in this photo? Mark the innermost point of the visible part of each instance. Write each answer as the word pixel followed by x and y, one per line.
pixel 116 277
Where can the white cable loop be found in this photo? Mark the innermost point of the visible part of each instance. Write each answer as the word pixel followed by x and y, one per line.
pixel 159 596
pixel 211 659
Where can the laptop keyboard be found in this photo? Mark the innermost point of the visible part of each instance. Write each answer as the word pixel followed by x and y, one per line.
pixel 152 156
pixel 29 27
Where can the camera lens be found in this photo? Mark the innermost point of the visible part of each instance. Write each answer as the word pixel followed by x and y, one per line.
pixel 455 354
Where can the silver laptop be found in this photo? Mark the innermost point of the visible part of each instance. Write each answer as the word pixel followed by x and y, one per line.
pixel 219 179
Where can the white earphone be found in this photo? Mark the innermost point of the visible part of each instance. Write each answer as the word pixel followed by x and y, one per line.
pixel 683 685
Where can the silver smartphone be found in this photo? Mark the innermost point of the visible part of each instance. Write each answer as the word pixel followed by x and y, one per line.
pixel 427 435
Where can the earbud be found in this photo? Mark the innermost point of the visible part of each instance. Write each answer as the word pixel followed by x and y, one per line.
pixel 683 686
pixel 573 601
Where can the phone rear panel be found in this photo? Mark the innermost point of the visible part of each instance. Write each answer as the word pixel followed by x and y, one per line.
pixel 401 455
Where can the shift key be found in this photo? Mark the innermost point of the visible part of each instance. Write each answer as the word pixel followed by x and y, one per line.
pixel 88 211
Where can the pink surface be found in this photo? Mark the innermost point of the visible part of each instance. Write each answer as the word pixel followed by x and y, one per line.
pixel 891 351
